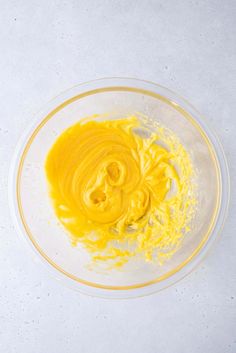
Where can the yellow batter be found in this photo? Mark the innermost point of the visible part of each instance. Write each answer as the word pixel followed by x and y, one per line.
pixel 120 189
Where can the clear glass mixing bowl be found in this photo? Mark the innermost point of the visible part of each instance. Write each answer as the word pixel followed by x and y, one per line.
pixel 32 209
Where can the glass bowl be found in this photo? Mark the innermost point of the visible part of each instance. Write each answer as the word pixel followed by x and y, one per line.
pixel 32 209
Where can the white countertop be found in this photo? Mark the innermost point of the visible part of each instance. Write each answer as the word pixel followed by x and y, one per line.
pixel 49 46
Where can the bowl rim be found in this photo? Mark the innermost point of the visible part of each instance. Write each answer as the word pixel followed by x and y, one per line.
pixel 190 113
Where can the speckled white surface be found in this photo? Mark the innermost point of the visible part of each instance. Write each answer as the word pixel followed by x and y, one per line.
pixel 49 46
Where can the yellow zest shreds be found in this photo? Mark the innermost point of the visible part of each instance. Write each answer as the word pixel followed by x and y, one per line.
pixel 121 189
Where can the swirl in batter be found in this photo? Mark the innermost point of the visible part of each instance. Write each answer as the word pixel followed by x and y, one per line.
pixel 120 189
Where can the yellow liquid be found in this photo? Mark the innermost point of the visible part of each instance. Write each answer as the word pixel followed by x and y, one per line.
pixel 120 194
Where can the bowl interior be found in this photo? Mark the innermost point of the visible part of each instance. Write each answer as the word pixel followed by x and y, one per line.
pixel 36 211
